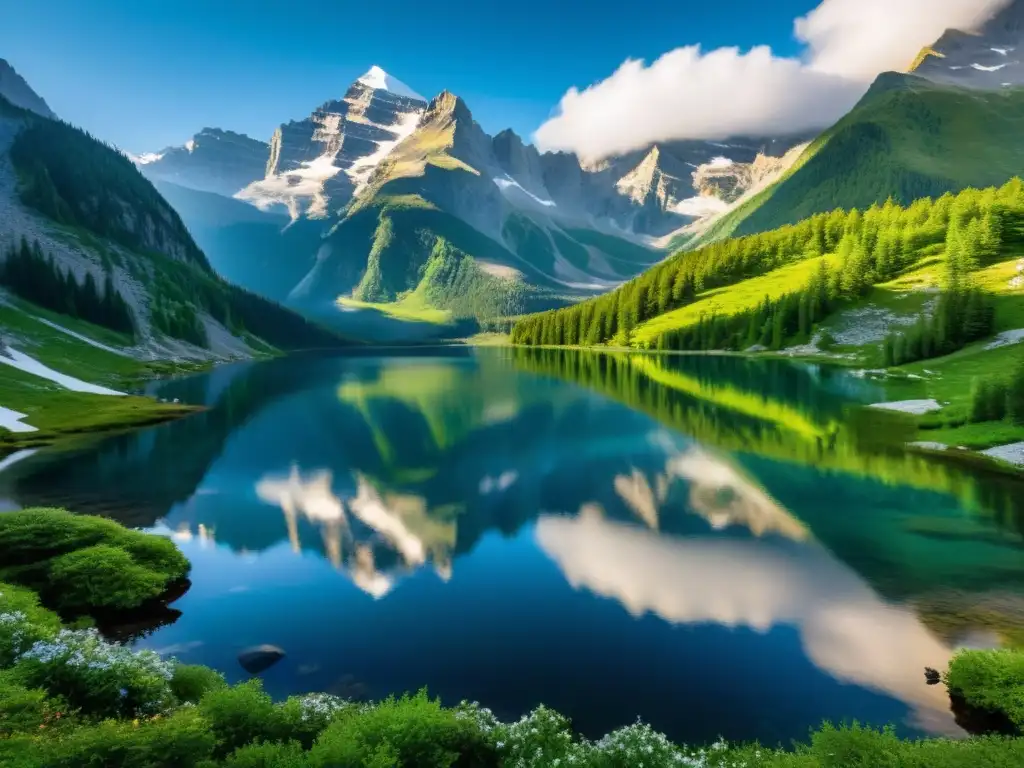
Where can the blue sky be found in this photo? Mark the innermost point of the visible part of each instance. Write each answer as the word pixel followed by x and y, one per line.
pixel 145 74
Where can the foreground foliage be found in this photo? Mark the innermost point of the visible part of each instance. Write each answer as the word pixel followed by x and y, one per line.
pixel 70 699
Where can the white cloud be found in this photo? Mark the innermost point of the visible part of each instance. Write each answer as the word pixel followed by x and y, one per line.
pixel 860 38
pixel 689 93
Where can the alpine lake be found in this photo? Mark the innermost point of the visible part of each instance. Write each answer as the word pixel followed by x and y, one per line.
pixel 720 546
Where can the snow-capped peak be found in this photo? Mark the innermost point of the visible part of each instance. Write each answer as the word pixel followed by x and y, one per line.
pixel 380 80
pixel 145 158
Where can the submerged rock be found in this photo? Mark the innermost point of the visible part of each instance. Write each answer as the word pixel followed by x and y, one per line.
pixel 259 658
pixel 932 676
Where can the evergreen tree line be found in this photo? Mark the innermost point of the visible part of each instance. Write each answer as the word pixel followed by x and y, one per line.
pixel 182 291
pixel 453 280
pixel 36 277
pixel 771 325
pixel 960 317
pixel 996 398
pixel 865 248
pixel 963 312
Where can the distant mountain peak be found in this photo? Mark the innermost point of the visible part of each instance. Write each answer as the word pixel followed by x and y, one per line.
pixel 14 88
pixel 447 105
pixel 980 56
pixel 379 80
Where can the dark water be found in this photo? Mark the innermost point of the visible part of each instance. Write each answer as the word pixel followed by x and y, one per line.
pixel 719 546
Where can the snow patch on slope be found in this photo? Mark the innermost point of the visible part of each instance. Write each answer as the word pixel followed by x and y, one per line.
pixel 983 68
pixel 290 187
pixel 12 420
pixel 146 157
pixel 701 206
pixel 380 80
pixel 361 170
pixel 80 337
pixel 23 362
pixel 506 183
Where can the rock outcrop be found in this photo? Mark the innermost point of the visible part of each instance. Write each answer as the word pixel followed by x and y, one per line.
pixel 213 160
pixel 990 57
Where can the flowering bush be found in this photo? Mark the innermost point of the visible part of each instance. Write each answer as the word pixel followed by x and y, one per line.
pixel 541 739
pixel 410 731
pixel 302 718
pixel 638 743
pixel 101 679
pixel 22 622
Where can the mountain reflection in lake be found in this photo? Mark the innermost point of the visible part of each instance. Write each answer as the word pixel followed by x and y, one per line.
pixel 719 546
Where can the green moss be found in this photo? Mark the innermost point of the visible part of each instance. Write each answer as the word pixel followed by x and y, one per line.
pixel 86 565
pixel 102 577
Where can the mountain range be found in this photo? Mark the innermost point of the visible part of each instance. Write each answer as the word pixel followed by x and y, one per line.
pixel 83 233
pixel 385 197
pixel 387 203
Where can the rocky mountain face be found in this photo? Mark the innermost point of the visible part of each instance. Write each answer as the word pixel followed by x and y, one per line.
pixel 328 157
pixel 14 88
pixel 392 194
pixel 989 57
pixel 213 160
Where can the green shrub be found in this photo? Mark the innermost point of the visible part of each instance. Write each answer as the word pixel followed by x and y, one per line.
pixel 23 622
pixel 988 400
pixel 102 577
pixel 83 564
pixel 30 535
pixel 1015 396
pixel 190 682
pixel 990 680
pixel 26 710
pixel 856 747
pixel 303 718
pixel 99 678
pixel 410 731
pixel 240 715
pixel 182 740
pixel 289 755
pixel 156 553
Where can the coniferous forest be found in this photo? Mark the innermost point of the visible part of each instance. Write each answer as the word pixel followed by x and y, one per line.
pixel 857 249
pixel 78 181
pixel 34 276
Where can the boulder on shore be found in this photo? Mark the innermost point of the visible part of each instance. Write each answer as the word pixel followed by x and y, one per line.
pixel 258 658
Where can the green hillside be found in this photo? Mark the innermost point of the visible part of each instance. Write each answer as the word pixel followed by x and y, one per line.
pixel 100 204
pixel 907 138
pixel 774 288
pixel 262 251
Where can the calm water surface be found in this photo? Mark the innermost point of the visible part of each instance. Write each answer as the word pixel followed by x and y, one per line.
pixel 719 546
